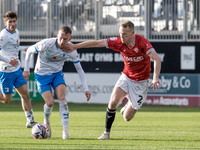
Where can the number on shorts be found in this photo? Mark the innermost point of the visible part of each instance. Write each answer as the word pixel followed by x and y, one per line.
pixel 140 100
pixel 6 89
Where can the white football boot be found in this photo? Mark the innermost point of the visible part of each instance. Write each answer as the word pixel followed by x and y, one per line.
pixel 65 135
pixel 47 123
pixel 104 136
pixel 30 124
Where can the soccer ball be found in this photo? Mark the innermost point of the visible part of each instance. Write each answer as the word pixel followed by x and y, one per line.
pixel 40 131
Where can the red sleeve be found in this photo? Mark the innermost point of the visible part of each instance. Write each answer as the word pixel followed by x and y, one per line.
pixel 146 45
pixel 114 43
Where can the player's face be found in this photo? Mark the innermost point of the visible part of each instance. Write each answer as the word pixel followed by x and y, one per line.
pixel 126 35
pixel 63 39
pixel 11 24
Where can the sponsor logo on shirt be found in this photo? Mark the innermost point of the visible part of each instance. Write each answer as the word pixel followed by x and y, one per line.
pixel 134 59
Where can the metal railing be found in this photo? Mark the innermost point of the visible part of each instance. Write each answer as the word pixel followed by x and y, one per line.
pixel 157 20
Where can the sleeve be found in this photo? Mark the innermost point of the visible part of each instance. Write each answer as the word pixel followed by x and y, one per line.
pixel 4 59
pixel 79 69
pixel 22 48
pixel 146 45
pixel 81 75
pixel 112 43
pixel 40 46
pixel 3 41
pixel 29 52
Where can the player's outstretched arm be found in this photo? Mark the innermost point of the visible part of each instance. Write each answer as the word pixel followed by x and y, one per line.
pixel 157 67
pixel 98 43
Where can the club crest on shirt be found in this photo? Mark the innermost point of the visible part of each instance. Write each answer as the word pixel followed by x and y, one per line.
pixel 136 50
pixel 54 57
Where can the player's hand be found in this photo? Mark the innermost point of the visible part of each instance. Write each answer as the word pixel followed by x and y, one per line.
pixel 88 95
pixel 26 48
pixel 26 75
pixel 14 62
pixel 156 84
pixel 69 48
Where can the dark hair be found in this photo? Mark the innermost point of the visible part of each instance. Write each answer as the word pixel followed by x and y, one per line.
pixel 126 24
pixel 65 29
pixel 9 14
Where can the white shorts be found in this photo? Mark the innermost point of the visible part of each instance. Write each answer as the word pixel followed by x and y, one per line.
pixel 136 90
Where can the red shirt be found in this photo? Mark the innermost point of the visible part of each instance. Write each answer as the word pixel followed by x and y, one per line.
pixel 137 65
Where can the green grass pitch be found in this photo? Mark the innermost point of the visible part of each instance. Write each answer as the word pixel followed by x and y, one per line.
pixel 152 128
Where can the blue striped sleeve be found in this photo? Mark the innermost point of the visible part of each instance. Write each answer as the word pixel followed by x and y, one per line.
pixel 75 62
pixel 36 49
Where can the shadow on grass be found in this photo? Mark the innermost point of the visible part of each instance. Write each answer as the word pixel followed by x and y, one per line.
pixel 38 106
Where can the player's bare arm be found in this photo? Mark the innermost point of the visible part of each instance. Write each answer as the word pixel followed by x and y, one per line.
pixel 157 66
pixel 87 44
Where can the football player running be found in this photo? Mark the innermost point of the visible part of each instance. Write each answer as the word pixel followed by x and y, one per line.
pixel 49 74
pixel 133 82
pixel 10 71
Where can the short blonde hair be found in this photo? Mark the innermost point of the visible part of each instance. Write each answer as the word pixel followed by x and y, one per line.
pixel 127 23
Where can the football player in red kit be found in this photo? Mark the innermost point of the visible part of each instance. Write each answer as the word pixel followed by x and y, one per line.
pixel 133 82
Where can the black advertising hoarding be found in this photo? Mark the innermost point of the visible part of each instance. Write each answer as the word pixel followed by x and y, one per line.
pixel 103 60
pixel 97 60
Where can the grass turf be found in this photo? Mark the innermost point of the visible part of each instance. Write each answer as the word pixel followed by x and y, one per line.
pixel 152 128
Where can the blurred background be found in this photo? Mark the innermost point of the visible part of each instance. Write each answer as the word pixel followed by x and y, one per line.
pixel 172 26
pixel 157 20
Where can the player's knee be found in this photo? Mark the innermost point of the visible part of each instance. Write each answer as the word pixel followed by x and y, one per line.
pixel 25 96
pixel 50 103
pixel 61 98
pixel 7 101
pixel 112 105
pixel 128 118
